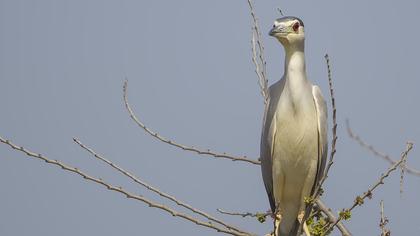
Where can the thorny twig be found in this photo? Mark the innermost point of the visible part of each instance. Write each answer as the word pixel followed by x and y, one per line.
pixel 359 200
pixel 153 189
pixel 120 189
pixel 334 130
pixel 172 143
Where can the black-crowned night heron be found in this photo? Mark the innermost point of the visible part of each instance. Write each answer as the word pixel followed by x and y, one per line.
pixel 294 134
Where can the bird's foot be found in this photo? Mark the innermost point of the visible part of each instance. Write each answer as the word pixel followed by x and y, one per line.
pixel 305 226
pixel 277 220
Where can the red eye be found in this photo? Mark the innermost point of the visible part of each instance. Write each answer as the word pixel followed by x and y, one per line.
pixel 296 27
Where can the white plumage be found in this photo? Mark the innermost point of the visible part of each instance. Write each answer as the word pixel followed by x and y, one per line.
pixel 294 135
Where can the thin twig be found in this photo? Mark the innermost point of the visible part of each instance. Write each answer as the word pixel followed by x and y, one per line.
pixel 244 214
pixel 153 189
pixel 334 130
pixel 359 200
pixel 258 57
pixel 383 222
pixel 375 152
pixel 257 67
pixel 172 143
pixel 119 189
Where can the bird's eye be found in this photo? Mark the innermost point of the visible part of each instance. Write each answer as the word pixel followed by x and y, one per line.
pixel 296 27
pixel 274 26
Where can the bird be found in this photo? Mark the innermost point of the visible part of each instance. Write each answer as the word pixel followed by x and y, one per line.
pixel 294 142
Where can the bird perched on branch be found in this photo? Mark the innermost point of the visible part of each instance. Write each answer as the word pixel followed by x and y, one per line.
pixel 294 134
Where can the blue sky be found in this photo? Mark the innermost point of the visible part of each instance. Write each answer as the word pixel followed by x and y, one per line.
pixel 188 63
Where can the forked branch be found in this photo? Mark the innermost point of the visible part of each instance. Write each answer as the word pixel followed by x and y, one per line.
pixel 120 190
pixel 155 190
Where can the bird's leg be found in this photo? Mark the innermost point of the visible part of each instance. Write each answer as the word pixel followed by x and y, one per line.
pixel 277 220
pixel 305 227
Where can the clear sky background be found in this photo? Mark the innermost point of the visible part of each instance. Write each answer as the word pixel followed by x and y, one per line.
pixel 62 67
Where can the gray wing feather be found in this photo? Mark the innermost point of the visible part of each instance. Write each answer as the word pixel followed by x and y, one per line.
pixel 321 109
pixel 267 138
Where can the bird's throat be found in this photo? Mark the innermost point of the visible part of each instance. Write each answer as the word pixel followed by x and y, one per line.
pixel 295 73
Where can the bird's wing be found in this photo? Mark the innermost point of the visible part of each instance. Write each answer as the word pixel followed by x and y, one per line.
pixel 321 110
pixel 267 139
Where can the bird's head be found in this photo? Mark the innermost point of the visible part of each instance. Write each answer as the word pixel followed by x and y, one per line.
pixel 289 31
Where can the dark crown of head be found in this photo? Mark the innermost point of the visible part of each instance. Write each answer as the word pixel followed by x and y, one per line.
pixel 290 18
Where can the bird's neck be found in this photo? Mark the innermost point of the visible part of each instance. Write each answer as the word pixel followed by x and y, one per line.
pixel 295 73
pixel 294 64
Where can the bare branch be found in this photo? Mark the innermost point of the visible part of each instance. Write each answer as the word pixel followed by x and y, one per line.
pixel 120 190
pixel 359 200
pixel 375 152
pixel 258 55
pixel 153 189
pixel 172 143
pixel 383 222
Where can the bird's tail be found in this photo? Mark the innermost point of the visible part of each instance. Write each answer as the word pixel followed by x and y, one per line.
pixel 295 229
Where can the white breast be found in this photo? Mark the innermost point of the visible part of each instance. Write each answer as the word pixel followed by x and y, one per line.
pixel 295 151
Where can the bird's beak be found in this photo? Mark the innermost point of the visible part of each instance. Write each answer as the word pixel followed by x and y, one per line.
pixel 280 29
